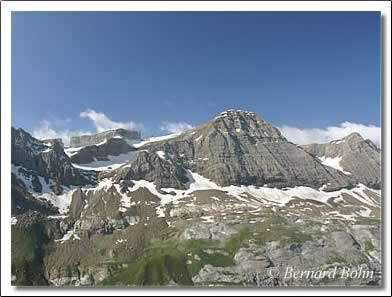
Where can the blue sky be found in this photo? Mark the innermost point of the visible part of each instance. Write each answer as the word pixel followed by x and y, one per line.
pixel 304 70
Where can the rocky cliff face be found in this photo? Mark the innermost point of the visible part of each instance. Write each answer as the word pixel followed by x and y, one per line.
pixel 220 204
pixel 23 201
pixel 51 141
pixel 235 148
pixel 360 158
pixel 86 140
pixel 35 159
pixel 91 153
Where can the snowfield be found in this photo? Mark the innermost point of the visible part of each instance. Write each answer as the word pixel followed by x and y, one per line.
pixel 62 201
pixel 154 139
pixel 334 163
pixel 264 195
pixel 114 162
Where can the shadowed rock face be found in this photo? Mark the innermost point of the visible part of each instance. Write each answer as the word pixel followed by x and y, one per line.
pixel 112 147
pixel 358 156
pixel 150 167
pixel 22 200
pixel 54 140
pixel 49 162
pixel 238 148
pixel 86 140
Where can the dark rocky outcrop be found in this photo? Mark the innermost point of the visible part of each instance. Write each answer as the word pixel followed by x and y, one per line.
pixel 54 140
pixel 22 200
pixel 112 147
pixel 151 167
pixel 48 161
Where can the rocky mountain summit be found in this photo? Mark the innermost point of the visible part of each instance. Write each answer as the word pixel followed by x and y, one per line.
pixel 358 157
pixel 101 152
pixel 42 163
pixel 219 204
pixel 86 140
pixel 235 148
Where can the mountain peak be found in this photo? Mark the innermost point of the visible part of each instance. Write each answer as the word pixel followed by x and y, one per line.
pixel 241 122
pixel 88 140
pixel 353 136
pixel 235 112
pixel 359 157
pixel 238 148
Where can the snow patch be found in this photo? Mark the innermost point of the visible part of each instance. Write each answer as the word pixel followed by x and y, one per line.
pixel 121 241
pixel 155 139
pixel 160 211
pixel 62 201
pixel 161 154
pixel 113 163
pixel 334 163
pixel 365 212
pixel 72 151
pixel 208 219
pixel 337 141
pixel 198 138
pixel 70 234
pixel 338 214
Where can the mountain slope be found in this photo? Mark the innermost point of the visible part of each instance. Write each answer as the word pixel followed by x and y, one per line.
pixel 217 205
pixel 356 156
pixel 42 172
pixel 47 160
pixel 236 148
pixel 101 152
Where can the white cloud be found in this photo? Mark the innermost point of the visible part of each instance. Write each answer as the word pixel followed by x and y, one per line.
pixel 307 136
pixel 175 127
pixel 103 123
pixel 45 131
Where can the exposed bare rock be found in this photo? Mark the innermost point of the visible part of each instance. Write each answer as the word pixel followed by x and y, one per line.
pixel 112 147
pixel 357 156
pixel 52 141
pixel 149 166
pixel 87 140
pixel 34 159
pixel 240 148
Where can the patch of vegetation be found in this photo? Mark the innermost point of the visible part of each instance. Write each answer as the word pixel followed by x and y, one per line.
pixel 368 221
pixel 233 244
pixel 177 261
pixel 363 259
pixel 156 268
pixel 29 245
pixel 279 230
pixel 335 258
pixel 369 246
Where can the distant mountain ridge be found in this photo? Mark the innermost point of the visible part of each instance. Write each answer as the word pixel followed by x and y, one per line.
pixel 359 157
pixel 235 148
pixel 216 204
pixel 46 160
pixel 86 140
